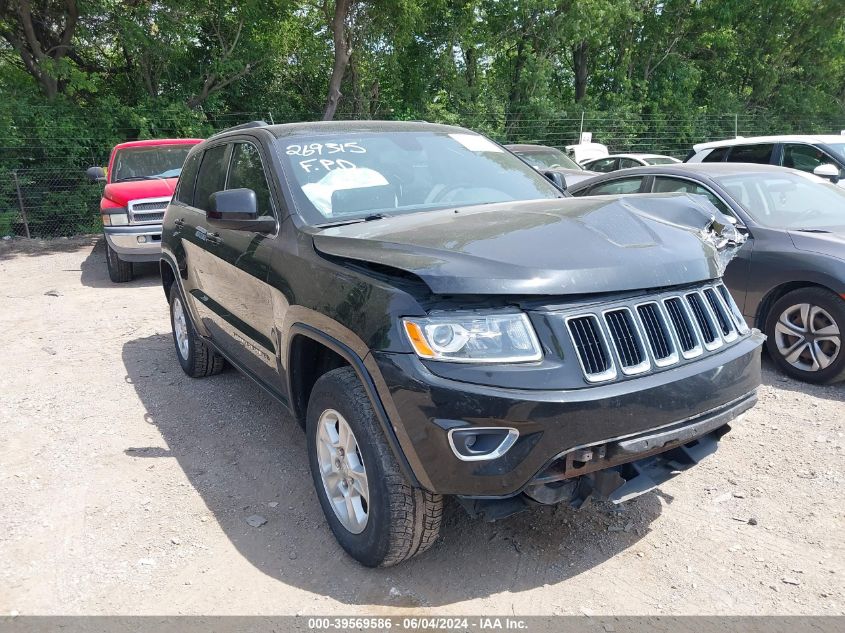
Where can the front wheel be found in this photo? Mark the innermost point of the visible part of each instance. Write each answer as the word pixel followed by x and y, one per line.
pixel 804 330
pixel 374 513
pixel 120 271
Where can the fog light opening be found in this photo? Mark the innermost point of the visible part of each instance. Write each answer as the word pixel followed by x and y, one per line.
pixel 471 444
pixel 142 239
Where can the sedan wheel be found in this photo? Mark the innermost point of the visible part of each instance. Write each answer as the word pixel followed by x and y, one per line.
pixel 807 337
pixel 805 334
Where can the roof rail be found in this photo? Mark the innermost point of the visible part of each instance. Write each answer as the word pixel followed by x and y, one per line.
pixel 242 126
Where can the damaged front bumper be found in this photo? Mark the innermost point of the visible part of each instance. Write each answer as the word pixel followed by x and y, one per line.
pixel 570 443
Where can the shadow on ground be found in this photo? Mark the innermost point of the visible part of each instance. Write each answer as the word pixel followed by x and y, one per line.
pixel 95 272
pixel 35 247
pixel 241 451
pixel 774 377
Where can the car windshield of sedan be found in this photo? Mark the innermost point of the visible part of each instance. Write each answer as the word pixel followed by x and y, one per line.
pixel 354 176
pixel 787 200
pixel 838 149
pixel 147 163
pixel 550 158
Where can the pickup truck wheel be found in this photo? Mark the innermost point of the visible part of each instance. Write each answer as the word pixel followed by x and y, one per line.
pixel 119 270
pixel 805 331
pixel 374 513
pixel 195 356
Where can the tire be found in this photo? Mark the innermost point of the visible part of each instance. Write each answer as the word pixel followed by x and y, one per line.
pixel 813 354
pixel 401 521
pixel 196 357
pixel 119 270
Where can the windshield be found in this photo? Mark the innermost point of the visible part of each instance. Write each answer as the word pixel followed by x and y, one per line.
pixel 142 163
pixel 838 149
pixel 787 200
pixel 349 176
pixel 660 160
pixel 549 158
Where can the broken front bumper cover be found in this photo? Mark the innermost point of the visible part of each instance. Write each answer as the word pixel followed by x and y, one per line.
pixel 619 470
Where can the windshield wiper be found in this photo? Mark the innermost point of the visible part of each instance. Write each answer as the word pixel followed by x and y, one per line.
pixel 813 230
pixel 368 218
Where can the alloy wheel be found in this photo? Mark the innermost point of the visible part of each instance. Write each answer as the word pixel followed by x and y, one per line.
pixel 180 328
pixel 808 337
pixel 342 470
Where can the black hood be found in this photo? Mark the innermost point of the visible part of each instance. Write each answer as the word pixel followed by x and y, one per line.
pixel 547 247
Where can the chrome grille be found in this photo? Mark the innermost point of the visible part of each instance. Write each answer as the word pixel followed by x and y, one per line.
pixel 591 348
pixel 655 333
pixel 147 210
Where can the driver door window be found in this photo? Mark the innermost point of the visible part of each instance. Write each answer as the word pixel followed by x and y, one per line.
pixel 663 184
pixel 623 185
pixel 805 157
pixel 604 165
pixel 247 172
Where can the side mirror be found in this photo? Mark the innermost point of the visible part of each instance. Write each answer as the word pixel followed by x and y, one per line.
pixel 237 209
pixel 831 172
pixel 557 179
pixel 95 174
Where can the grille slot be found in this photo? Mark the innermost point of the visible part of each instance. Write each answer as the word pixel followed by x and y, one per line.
pixel 591 349
pixel 626 340
pixel 718 309
pixel 699 312
pixel 148 217
pixel 657 333
pixel 681 323
pixel 739 320
pixel 149 206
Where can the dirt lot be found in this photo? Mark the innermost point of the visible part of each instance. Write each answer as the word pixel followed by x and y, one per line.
pixel 126 486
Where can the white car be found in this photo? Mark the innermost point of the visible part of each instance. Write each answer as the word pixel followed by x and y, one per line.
pixel 820 154
pixel 624 161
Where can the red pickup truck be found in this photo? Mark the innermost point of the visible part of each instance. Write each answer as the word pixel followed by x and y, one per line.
pixel 140 181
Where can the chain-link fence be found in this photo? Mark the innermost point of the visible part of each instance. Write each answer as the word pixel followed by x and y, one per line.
pixel 59 201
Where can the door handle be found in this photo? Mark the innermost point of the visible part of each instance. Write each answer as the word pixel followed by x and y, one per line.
pixel 214 238
pixel 179 223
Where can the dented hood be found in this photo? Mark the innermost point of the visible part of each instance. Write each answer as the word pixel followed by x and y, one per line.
pixel 547 247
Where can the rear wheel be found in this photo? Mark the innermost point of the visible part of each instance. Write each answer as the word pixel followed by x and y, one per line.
pixel 804 330
pixel 119 271
pixel 195 356
pixel 374 513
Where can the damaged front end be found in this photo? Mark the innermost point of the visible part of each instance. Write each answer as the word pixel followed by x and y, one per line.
pixel 618 470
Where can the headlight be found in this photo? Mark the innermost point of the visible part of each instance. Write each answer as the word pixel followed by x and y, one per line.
pixel 473 338
pixel 115 219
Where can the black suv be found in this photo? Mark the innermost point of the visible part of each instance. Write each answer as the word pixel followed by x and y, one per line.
pixel 443 320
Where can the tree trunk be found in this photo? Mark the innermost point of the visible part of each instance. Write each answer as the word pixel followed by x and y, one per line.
pixel 580 67
pixel 342 53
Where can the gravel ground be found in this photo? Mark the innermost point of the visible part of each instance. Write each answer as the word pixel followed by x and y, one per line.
pixel 127 486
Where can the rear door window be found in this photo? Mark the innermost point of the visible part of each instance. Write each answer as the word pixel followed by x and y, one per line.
pixel 185 187
pixel 760 154
pixel 247 172
pixel 211 177
pixel 624 185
